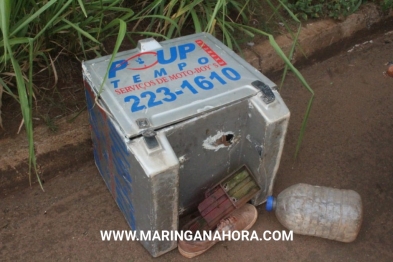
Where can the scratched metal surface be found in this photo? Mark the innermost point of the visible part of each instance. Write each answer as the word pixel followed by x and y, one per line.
pixel 148 202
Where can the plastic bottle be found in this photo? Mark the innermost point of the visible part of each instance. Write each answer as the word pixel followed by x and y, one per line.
pixel 319 211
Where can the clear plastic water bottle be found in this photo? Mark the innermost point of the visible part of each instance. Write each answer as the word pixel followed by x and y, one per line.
pixel 319 211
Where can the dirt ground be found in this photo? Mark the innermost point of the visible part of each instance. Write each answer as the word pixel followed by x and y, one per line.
pixel 348 144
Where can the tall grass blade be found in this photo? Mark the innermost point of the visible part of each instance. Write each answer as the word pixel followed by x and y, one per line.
pixel 278 50
pixel 212 20
pixel 8 90
pixel 5 11
pixel 119 40
pixel 29 119
pixel 151 34
pixel 196 22
pixel 1 96
pixel 15 41
pixel 82 7
pixel 79 30
pixel 33 16
pixel 24 99
pixel 305 84
pixel 166 19
pixel 50 22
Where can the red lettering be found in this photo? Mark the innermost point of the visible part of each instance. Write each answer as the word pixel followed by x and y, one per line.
pixel 173 77
pixel 129 89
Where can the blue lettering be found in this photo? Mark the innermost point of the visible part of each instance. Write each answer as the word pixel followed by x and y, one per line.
pixel 181 66
pixel 114 82
pixel 203 60
pixel 184 49
pixel 231 73
pixel 116 66
pixel 161 59
pixel 159 73
pixel 137 78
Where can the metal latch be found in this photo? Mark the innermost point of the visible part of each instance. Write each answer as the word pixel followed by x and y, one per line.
pixel 267 93
pixel 149 135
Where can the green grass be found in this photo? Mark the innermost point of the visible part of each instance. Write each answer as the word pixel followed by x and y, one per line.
pixel 305 9
pixel 31 30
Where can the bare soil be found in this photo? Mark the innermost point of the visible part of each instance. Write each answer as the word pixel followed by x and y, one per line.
pixel 348 144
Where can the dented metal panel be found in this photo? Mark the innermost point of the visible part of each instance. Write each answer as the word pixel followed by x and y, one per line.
pixel 163 136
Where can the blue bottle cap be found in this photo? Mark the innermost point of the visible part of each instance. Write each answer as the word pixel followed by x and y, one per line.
pixel 270 203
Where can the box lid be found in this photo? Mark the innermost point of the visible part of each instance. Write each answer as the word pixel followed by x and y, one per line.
pixel 158 84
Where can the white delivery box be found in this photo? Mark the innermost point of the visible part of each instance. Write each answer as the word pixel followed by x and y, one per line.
pixel 174 118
